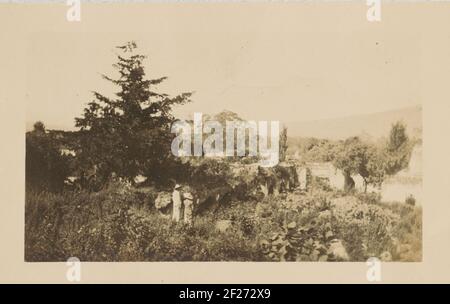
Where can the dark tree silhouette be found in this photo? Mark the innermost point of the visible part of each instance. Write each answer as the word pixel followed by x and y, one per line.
pixel 130 133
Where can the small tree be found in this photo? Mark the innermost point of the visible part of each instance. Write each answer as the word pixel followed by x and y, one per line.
pixel 39 127
pixel 357 157
pixel 283 144
pixel 397 137
pixel 129 134
pixel 375 168
pixel 398 149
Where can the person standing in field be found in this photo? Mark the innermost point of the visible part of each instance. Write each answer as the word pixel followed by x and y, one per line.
pixel 177 203
pixel 188 202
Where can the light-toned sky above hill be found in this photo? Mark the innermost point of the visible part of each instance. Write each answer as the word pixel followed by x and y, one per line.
pixel 266 62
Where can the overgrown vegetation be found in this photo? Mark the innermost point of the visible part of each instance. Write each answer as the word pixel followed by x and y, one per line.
pixel 120 223
pixel 46 168
pixel 373 161
pixel 105 216
pixel 129 134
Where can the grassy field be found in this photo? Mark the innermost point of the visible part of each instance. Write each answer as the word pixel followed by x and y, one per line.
pixel 122 224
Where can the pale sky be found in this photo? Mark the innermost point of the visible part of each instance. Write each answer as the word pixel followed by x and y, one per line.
pixel 287 63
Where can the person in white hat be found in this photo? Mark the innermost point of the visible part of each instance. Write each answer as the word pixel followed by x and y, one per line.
pixel 177 203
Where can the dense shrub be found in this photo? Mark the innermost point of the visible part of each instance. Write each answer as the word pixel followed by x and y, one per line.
pixel 366 228
pixel 45 167
pixel 303 228
pixel 117 224
pixel 120 223
pixel 410 200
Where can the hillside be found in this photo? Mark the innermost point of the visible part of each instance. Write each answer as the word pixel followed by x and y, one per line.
pixel 374 125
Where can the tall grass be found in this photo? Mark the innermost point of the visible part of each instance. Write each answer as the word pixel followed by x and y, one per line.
pixel 121 224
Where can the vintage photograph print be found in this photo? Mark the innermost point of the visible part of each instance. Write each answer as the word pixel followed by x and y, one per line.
pixel 259 133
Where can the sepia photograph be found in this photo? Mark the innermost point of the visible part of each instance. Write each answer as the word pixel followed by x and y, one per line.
pixel 257 140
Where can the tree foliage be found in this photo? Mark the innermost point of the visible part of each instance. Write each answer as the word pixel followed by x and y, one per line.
pixel 398 149
pixel 373 162
pixel 358 157
pixel 46 168
pixel 313 149
pixel 130 133
pixel 39 127
pixel 283 145
pixel 397 137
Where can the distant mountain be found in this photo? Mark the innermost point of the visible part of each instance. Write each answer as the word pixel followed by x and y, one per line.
pixel 368 126
pixel 374 125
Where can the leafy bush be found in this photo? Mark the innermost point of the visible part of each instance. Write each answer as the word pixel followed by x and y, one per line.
pixel 410 200
pixel 116 224
pixel 368 198
pixel 304 228
pixel 46 168
pixel 119 223
pixel 366 228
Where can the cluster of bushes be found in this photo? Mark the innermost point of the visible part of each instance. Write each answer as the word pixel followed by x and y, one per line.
pixel 119 223
pixel 313 149
pixel 372 160
pixel 46 168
